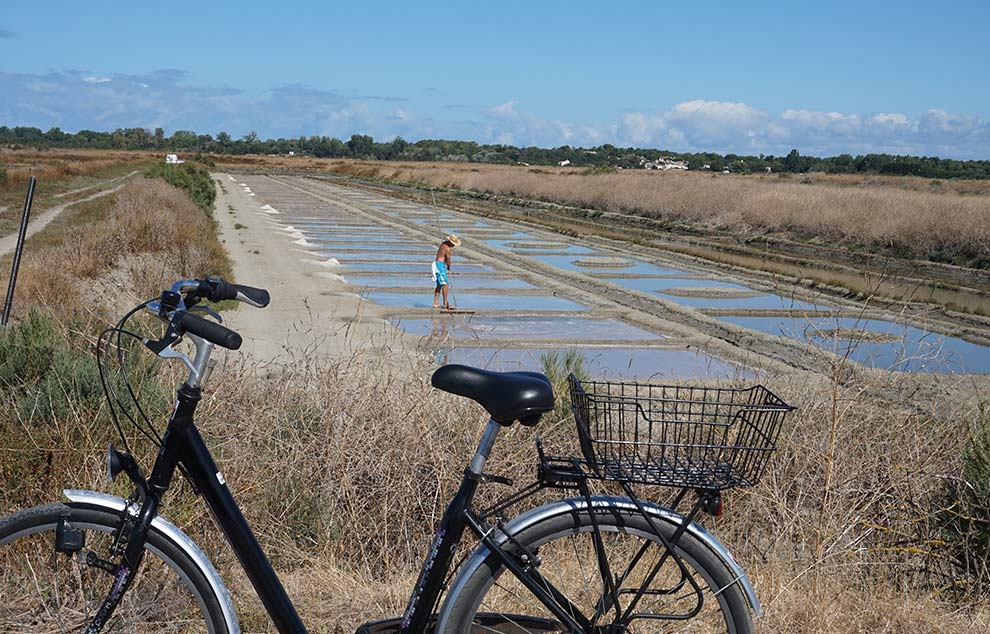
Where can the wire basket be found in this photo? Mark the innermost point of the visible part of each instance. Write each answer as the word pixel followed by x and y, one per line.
pixel 699 437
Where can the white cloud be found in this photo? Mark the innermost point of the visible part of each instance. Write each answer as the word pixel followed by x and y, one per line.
pixel 507 125
pixel 80 99
pixel 736 127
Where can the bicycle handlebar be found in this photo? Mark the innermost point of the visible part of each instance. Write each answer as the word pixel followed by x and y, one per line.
pixel 217 289
pixel 176 303
pixel 209 330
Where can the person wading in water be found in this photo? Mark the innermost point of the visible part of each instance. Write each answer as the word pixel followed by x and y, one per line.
pixel 441 269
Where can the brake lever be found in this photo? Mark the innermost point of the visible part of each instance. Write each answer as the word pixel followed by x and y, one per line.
pixel 206 309
pixel 169 353
pixel 163 347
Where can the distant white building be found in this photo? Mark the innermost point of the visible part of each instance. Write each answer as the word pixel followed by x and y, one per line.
pixel 665 163
pixel 173 159
pixel 564 163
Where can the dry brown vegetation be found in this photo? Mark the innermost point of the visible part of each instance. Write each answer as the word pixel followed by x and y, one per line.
pixel 138 239
pixel 61 165
pixel 905 217
pixel 921 224
pixel 343 466
pixel 60 174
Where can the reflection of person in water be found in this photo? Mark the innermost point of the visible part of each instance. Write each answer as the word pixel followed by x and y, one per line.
pixel 441 328
pixel 440 355
pixel 441 332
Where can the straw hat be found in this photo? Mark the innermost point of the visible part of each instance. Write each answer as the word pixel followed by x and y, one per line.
pixel 454 240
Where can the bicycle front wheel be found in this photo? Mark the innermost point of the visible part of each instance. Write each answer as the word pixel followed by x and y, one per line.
pixel 650 591
pixel 46 591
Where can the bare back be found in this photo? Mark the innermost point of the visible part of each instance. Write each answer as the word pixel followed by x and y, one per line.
pixel 443 253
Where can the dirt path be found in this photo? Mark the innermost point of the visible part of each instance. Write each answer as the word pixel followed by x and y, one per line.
pixel 38 222
pixel 312 311
pixel 109 181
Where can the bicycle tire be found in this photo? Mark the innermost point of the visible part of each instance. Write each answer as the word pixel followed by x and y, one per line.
pixel 47 591
pixel 563 544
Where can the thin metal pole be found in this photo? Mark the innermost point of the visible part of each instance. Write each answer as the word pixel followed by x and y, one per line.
pixel 21 237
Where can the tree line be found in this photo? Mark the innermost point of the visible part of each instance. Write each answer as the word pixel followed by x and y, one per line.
pixel 361 146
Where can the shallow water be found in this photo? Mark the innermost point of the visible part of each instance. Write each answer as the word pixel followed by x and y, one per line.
pixel 318 236
pixel 760 302
pixel 474 301
pixel 523 328
pixel 614 363
pixel 382 246
pixel 915 350
pixel 534 246
pixel 638 267
pixel 657 286
pixel 384 256
pixel 375 267
pixel 426 281
pixel 404 247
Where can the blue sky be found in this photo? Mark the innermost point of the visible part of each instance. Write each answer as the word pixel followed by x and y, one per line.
pixel 827 77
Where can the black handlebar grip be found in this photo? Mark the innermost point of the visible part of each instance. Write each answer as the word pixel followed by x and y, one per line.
pixel 221 289
pixel 209 330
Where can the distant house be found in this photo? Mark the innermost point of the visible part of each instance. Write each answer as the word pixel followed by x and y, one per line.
pixel 564 163
pixel 173 159
pixel 665 163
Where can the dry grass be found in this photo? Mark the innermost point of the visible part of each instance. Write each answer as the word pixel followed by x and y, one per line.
pixel 62 176
pixel 343 466
pixel 140 239
pixel 906 217
pixel 61 165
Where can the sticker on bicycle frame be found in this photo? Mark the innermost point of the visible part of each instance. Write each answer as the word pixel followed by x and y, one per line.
pixel 418 590
pixel 220 478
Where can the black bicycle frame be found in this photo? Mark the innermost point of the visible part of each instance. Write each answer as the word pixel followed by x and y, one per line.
pixel 457 516
pixel 183 445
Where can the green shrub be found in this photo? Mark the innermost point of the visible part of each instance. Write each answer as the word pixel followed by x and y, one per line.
pixel 557 366
pixel 27 350
pixel 192 178
pixel 45 378
pixel 592 171
pixel 965 517
pixel 3 174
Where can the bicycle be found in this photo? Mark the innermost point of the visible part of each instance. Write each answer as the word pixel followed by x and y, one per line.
pixel 588 563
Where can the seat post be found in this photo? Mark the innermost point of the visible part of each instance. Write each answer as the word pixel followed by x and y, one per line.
pixel 477 466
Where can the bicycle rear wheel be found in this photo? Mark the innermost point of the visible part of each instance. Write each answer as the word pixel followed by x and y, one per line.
pixel 46 591
pixel 494 600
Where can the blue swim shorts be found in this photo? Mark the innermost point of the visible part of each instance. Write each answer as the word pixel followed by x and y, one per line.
pixel 440 274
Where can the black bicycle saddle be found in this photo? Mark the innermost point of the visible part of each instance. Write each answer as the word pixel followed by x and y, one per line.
pixel 507 396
